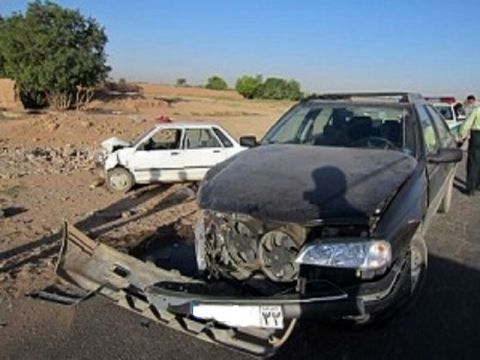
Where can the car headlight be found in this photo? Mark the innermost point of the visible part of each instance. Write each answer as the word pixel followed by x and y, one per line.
pixel 348 254
pixel 101 157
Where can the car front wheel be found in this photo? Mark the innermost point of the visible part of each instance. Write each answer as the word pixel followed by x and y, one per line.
pixel 119 180
pixel 414 277
pixel 418 266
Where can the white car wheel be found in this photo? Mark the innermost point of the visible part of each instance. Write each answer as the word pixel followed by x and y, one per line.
pixel 119 180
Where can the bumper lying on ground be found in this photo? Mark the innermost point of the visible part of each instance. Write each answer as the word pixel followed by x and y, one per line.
pixel 170 298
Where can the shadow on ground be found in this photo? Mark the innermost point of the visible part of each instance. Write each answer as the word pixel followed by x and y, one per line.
pixel 445 324
pixel 13 211
pixel 98 222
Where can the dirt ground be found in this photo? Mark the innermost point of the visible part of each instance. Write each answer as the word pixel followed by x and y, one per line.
pixel 47 167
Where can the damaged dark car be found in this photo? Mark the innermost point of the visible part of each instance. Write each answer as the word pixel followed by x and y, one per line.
pixel 324 218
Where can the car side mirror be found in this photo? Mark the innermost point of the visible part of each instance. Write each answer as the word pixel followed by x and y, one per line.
pixel 248 141
pixel 446 155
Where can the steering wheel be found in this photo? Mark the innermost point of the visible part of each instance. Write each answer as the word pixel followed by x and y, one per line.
pixel 375 142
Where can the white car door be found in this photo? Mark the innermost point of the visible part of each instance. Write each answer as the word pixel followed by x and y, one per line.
pixel 202 151
pixel 159 157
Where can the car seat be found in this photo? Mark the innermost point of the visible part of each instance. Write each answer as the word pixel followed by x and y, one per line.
pixel 392 130
pixel 334 133
pixel 360 127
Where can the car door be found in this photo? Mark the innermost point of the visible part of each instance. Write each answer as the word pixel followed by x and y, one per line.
pixel 437 173
pixel 202 150
pixel 446 140
pixel 159 157
pixel 446 137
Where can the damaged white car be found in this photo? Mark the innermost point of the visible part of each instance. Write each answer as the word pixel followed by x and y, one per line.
pixel 168 152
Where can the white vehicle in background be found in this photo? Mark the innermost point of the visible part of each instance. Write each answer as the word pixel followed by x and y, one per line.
pixel 450 109
pixel 168 152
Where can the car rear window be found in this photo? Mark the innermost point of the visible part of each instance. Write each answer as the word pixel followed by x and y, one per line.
pixel 199 139
pixel 225 141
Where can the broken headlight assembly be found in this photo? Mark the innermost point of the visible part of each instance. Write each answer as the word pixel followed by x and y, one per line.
pixel 240 247
pixel 357 254
pixel 100 157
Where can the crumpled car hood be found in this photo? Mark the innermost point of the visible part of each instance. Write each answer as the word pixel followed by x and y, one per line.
pixel 114 143
pixel 303 184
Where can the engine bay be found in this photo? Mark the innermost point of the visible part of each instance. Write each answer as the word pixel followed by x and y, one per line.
pixel 255 254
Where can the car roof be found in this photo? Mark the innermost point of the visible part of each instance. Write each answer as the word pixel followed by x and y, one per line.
pixel 186 124
pixel 369 97
pixel 442 104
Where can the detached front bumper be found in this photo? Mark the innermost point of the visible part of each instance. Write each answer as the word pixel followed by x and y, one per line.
pixel 170 298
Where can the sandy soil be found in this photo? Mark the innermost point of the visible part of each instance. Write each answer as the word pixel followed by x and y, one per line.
pixel 158 89
pixel 46 169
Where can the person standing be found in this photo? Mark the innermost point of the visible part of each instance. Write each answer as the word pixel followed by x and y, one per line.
pixel 471 126
pixel 470 104
pixel 459 111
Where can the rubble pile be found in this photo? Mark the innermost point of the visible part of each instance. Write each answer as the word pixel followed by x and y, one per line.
pixel 18 162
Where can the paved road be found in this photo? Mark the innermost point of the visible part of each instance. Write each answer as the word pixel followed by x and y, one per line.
pixel 444 325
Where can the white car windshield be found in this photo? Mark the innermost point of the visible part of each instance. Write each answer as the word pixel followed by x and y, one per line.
pixel 141 136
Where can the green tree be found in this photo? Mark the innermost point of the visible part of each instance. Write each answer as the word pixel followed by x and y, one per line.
pixel 248 86
pixel 181 82
pixel 2 71
pixel 216 83
pixel 278 89
pixel 56 55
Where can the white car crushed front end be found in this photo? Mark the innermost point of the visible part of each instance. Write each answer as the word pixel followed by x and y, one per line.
pixel 114 152
pixel 118 158
pixel 114 143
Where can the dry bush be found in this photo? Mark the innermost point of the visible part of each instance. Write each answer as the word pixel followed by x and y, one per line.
pixel 122 86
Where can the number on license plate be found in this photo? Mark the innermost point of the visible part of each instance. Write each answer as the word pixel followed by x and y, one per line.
pixel 264 316
pixel 271 317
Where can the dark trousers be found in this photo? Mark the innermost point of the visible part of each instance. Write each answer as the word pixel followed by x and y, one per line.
pixel 473 162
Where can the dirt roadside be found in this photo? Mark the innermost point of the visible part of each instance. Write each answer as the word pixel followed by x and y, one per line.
pixel 47 167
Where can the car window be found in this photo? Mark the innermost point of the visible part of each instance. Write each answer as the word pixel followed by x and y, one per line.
pixel 225 140
pixel 164 139
pixel 346 125
pixel 443 131
pixel 446 111
pixel 287 130
pixel 200 139
pixel 141 136
pixel 428 131
pixel 459 110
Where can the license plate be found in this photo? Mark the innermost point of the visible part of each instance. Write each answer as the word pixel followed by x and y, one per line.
pixel 261 316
